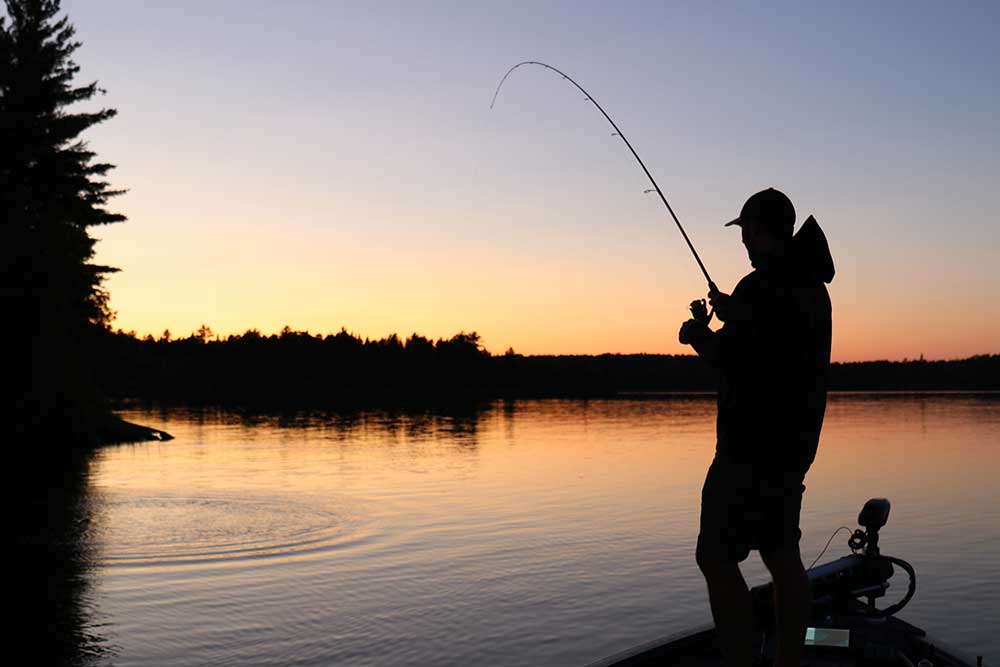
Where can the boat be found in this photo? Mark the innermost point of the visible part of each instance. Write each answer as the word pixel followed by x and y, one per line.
pixel 847 626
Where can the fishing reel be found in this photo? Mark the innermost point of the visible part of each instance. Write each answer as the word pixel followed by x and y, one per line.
pixel 699 311
pixel 699 307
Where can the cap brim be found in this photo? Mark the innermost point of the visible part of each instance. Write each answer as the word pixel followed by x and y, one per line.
pixel 737 222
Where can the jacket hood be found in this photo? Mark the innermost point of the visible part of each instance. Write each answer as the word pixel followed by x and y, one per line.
pixel 810 253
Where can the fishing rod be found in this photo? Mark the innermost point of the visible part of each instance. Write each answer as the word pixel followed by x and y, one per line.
pixel 712 289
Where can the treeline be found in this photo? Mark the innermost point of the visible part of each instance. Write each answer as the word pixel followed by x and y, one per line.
pixel 296 367
pixel 980 372
pixel 293 367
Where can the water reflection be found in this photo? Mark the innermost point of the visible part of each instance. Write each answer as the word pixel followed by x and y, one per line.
pixel 518 532
pixel 460 420
pixel 54 617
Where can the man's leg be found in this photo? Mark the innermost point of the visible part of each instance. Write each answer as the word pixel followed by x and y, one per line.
pixel 792 599
pixel 732 609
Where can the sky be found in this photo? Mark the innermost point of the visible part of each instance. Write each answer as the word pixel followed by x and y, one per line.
pixel 331 164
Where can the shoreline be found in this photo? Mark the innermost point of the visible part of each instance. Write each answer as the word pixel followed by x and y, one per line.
pixel 117 431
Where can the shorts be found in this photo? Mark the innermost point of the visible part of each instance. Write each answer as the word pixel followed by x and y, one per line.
pixel 744 507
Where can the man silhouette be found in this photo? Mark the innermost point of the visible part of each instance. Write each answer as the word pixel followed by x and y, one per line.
pixel 772 354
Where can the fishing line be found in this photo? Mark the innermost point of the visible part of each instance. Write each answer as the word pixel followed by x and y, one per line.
pixel 656 188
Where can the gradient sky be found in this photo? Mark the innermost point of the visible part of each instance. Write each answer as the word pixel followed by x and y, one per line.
pixel 324 164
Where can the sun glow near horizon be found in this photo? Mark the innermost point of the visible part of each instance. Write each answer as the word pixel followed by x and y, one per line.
pixel 267 280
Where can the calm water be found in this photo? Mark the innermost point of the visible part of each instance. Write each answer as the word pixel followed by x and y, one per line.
pixel 539 532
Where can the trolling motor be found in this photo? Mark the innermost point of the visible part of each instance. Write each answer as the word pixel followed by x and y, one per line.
pixel 850 586
pixel 864 574
pixel 844 614
pixel 841 585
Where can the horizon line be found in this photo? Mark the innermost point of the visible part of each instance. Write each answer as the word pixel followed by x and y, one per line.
pixel 217 337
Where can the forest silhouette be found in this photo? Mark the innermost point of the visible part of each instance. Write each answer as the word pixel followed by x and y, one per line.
pixel 342 369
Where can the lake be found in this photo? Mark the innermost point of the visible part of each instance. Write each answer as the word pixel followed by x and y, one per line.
pixel 525 533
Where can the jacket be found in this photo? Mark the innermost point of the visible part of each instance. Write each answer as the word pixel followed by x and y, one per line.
pixel 773 357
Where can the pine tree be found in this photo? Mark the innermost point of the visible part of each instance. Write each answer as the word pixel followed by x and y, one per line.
pixel 52 190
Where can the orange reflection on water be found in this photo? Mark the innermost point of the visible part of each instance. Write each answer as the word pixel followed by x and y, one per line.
pixel 338 534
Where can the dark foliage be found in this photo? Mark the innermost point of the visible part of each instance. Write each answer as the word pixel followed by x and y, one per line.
pixel 298 368
pixel 980 372
pixel 52 190
pixel 294 367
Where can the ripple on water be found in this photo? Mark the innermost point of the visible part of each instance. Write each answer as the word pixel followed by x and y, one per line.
pixel 166 530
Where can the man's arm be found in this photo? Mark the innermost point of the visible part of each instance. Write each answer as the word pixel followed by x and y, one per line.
pixel 704 341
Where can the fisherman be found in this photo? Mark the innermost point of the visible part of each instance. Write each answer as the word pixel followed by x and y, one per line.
pixel 772 354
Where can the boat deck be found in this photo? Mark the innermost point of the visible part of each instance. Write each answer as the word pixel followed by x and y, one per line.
pixel 874 643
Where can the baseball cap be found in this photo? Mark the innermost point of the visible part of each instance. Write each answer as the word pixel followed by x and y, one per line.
pixel 771 208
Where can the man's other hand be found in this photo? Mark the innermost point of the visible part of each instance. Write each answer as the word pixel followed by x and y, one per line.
pixel 690 330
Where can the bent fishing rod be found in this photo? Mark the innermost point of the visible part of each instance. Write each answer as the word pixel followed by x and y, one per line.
pixel 656 188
